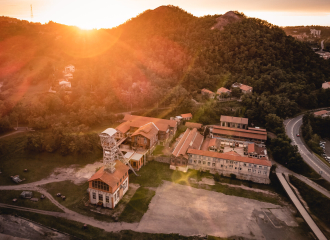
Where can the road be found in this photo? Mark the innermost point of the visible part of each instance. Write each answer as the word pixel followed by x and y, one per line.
pixel 322 45
pixel 292 127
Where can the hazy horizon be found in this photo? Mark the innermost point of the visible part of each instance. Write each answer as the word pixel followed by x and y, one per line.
pixel 108 14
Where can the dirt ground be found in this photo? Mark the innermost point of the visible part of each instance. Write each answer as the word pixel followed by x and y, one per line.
pixel 189 211
pixel 18 228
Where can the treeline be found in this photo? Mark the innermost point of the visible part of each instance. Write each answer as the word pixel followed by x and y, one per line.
pixel 160 58
pixel 64 140
pixel 313 129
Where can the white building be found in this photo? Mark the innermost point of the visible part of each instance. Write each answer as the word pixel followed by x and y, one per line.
pixel 106 188
pixel 69 69
pixel 315 33
pixel 245 168
pixel 65 84
pixel 68 76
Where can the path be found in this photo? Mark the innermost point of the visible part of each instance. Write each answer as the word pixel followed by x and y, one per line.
pixel 300 208
pixel 9 134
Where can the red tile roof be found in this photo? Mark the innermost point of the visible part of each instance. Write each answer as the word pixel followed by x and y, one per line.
pixel 171 123
pixel 207 91
pixel 111 178
pixel 186 115
pixel 230 157
pixel 193 125
pixel 148 130
pixel 251 148
pixel 238 132
pixel 233 153
pixel 212 142
pixel 190 139
pixel 234 119
pixel 124 127
pixel 223 90
pixel 319 113
pixel 245 87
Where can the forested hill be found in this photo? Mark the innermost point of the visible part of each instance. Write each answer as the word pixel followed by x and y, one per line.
pixel 161 56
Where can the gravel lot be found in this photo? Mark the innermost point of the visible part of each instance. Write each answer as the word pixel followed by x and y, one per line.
pixel 189 211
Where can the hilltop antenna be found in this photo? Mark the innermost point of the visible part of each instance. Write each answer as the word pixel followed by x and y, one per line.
pixel 31 13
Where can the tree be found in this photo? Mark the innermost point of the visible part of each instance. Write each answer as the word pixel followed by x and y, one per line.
pixel 273 122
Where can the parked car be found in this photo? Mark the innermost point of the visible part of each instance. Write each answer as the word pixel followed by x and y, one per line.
pixel 298 135
pixel 322 142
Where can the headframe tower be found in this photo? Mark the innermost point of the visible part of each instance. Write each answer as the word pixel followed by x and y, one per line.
pixel 111 151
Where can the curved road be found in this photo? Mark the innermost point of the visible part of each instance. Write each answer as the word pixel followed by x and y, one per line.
pixel 292 127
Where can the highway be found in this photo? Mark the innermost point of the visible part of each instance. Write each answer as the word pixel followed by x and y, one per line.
pixel 292 127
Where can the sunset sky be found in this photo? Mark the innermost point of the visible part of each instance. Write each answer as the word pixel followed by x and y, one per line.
pixel 109 13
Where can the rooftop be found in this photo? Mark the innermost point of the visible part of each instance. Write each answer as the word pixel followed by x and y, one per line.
pixel 319 113
pixel 207 91
pixel 234 119
pixel 238 132
pixel 148 130
pixel 186 115
pixel 193 125
pixel 111 178
pixel 231 157
pixel 190 139
pixel 223 90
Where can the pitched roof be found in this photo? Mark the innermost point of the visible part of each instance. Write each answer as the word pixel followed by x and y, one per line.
pixel 230 157
pixel 245 87
pixel 148 130
pixel 111 178
pixel 238 132
pixel 207 91
pixel 257 129
pixel 193 125
pixel 186 115
pixel 234 119
pixel 157 121
pixel 251 148
pixel 190 139
pixel 212 142
pixel 124 127
pixel 223 90
pixel 319 113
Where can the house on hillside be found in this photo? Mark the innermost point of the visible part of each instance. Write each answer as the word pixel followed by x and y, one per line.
pixel 207 92
pixel 326 85
pixel 64 84
pixel 106 188
pixel 186 116
pixel 223 91
pixel 322 114
pixel 69 69
pixel 245 88
pixel 68 76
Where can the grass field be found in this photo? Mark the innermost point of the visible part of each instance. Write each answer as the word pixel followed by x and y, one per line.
pixel 14 159
pixel 154 173
pixel 6 196
pixel 137 206
pixel 158 150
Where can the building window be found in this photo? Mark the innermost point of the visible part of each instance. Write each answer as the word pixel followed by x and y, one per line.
pixel 101 197
pixel 107 199
pixel 213 164
pixel 249 170
pixel 254 171
pixel 265 173
pixel 190 161
pixel 179 162
pixel 199 162
pixel 94 195
pixel 100 185
pixel 195 161
pixel 221 165
pixel 255 165
pixel 240 168
pixel 260 166
pixel 208 164
pixel 265 167
pixel 244 164
pixel 204 162
pixel 117 184
pixel 235 167
pixel 259 172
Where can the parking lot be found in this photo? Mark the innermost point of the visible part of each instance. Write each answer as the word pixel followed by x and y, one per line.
pixel 327 148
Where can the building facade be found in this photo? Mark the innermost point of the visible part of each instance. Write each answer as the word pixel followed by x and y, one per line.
pixel 244 168
pixel 234 122
pixel 106 188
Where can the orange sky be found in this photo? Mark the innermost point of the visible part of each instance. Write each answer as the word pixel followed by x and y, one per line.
pixel 110 13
